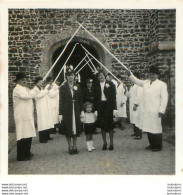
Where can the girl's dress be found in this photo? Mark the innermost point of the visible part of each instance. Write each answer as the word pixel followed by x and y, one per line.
pixel 89 123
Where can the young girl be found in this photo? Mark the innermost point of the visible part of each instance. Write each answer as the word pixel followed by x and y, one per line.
pixel 89 118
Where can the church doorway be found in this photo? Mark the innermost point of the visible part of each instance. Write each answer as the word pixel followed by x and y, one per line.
pixel 74 60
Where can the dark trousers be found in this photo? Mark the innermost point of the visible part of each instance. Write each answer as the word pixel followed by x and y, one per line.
pixel 137 131
pixel 43 135
pixel 155 140
pixel 134 129
pixel 53 130
pixel 23 148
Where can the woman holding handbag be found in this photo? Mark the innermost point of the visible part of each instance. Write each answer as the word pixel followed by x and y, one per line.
pixel 105 98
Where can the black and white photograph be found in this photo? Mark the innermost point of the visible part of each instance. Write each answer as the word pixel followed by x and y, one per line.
pixel 92 92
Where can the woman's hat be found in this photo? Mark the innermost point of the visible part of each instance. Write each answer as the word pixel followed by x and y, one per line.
pixel 101 71
pixel 154 69
pixel 69 70
pixel 38 79
pixel 19 76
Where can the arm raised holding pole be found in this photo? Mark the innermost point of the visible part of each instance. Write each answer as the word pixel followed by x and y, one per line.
pixel 61 53
pixel 65 63
pixel 103 46
pixel 100 63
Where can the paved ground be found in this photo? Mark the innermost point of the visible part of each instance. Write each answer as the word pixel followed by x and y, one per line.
pixel 128 158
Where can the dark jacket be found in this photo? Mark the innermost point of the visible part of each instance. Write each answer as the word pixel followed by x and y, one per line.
pixel 88 95
pixel 110 94
pixel 105 109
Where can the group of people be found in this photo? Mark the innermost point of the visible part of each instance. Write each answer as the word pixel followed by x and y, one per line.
pixel 99 104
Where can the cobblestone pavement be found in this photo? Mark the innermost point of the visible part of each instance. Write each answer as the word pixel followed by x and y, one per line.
pixel 128 158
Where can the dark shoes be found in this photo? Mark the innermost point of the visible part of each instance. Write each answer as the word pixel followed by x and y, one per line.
pixel 50 138
pixel 111 147
pixel 153 149
pixel 25 159
pixel 156 149
pixel 148 147
pixel 138 138
pixel 104 147
pixel 44 141
pixel 133 134
pixel 73 151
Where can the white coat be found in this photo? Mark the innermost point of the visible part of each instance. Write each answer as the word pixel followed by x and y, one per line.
pixel 53 103
pixel 44 121
pixel 132 95
pixel 155 99
pixel 121 99
pixel 24 112
pixel 138 101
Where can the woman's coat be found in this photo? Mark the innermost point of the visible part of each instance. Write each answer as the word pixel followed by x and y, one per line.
pixel 155 99
pixel 66 108
pixel 24 112
pixel 110 94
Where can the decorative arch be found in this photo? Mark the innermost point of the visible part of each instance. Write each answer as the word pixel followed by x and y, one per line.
pixel 52 43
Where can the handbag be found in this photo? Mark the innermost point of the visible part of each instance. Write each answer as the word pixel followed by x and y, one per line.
pixel 61 128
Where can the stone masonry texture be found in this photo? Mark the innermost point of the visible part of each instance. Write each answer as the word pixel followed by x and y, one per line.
pixel 138 38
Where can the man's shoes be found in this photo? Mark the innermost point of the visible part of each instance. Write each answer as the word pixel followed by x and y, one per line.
pixel 133 134
pixel 156 149
pixel 138 138
pixel 148 147
pixel 104 147
pixel 111 147
pixel 44 141
pixel 25 159
pixel 50 138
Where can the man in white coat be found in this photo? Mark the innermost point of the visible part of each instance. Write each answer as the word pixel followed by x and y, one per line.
pixel 135 96
pixel 43 117
pixel 52 97
pixel 24 117
pixel 121 103
pixel 154 103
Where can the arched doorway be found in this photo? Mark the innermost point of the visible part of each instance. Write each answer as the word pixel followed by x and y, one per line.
pixel 76 57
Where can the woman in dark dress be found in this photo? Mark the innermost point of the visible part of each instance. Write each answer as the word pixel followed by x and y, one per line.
pixel 105 96
pixel 70 108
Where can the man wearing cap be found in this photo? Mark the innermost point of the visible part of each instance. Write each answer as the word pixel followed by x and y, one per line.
pixel 24 117
pixel 154 103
